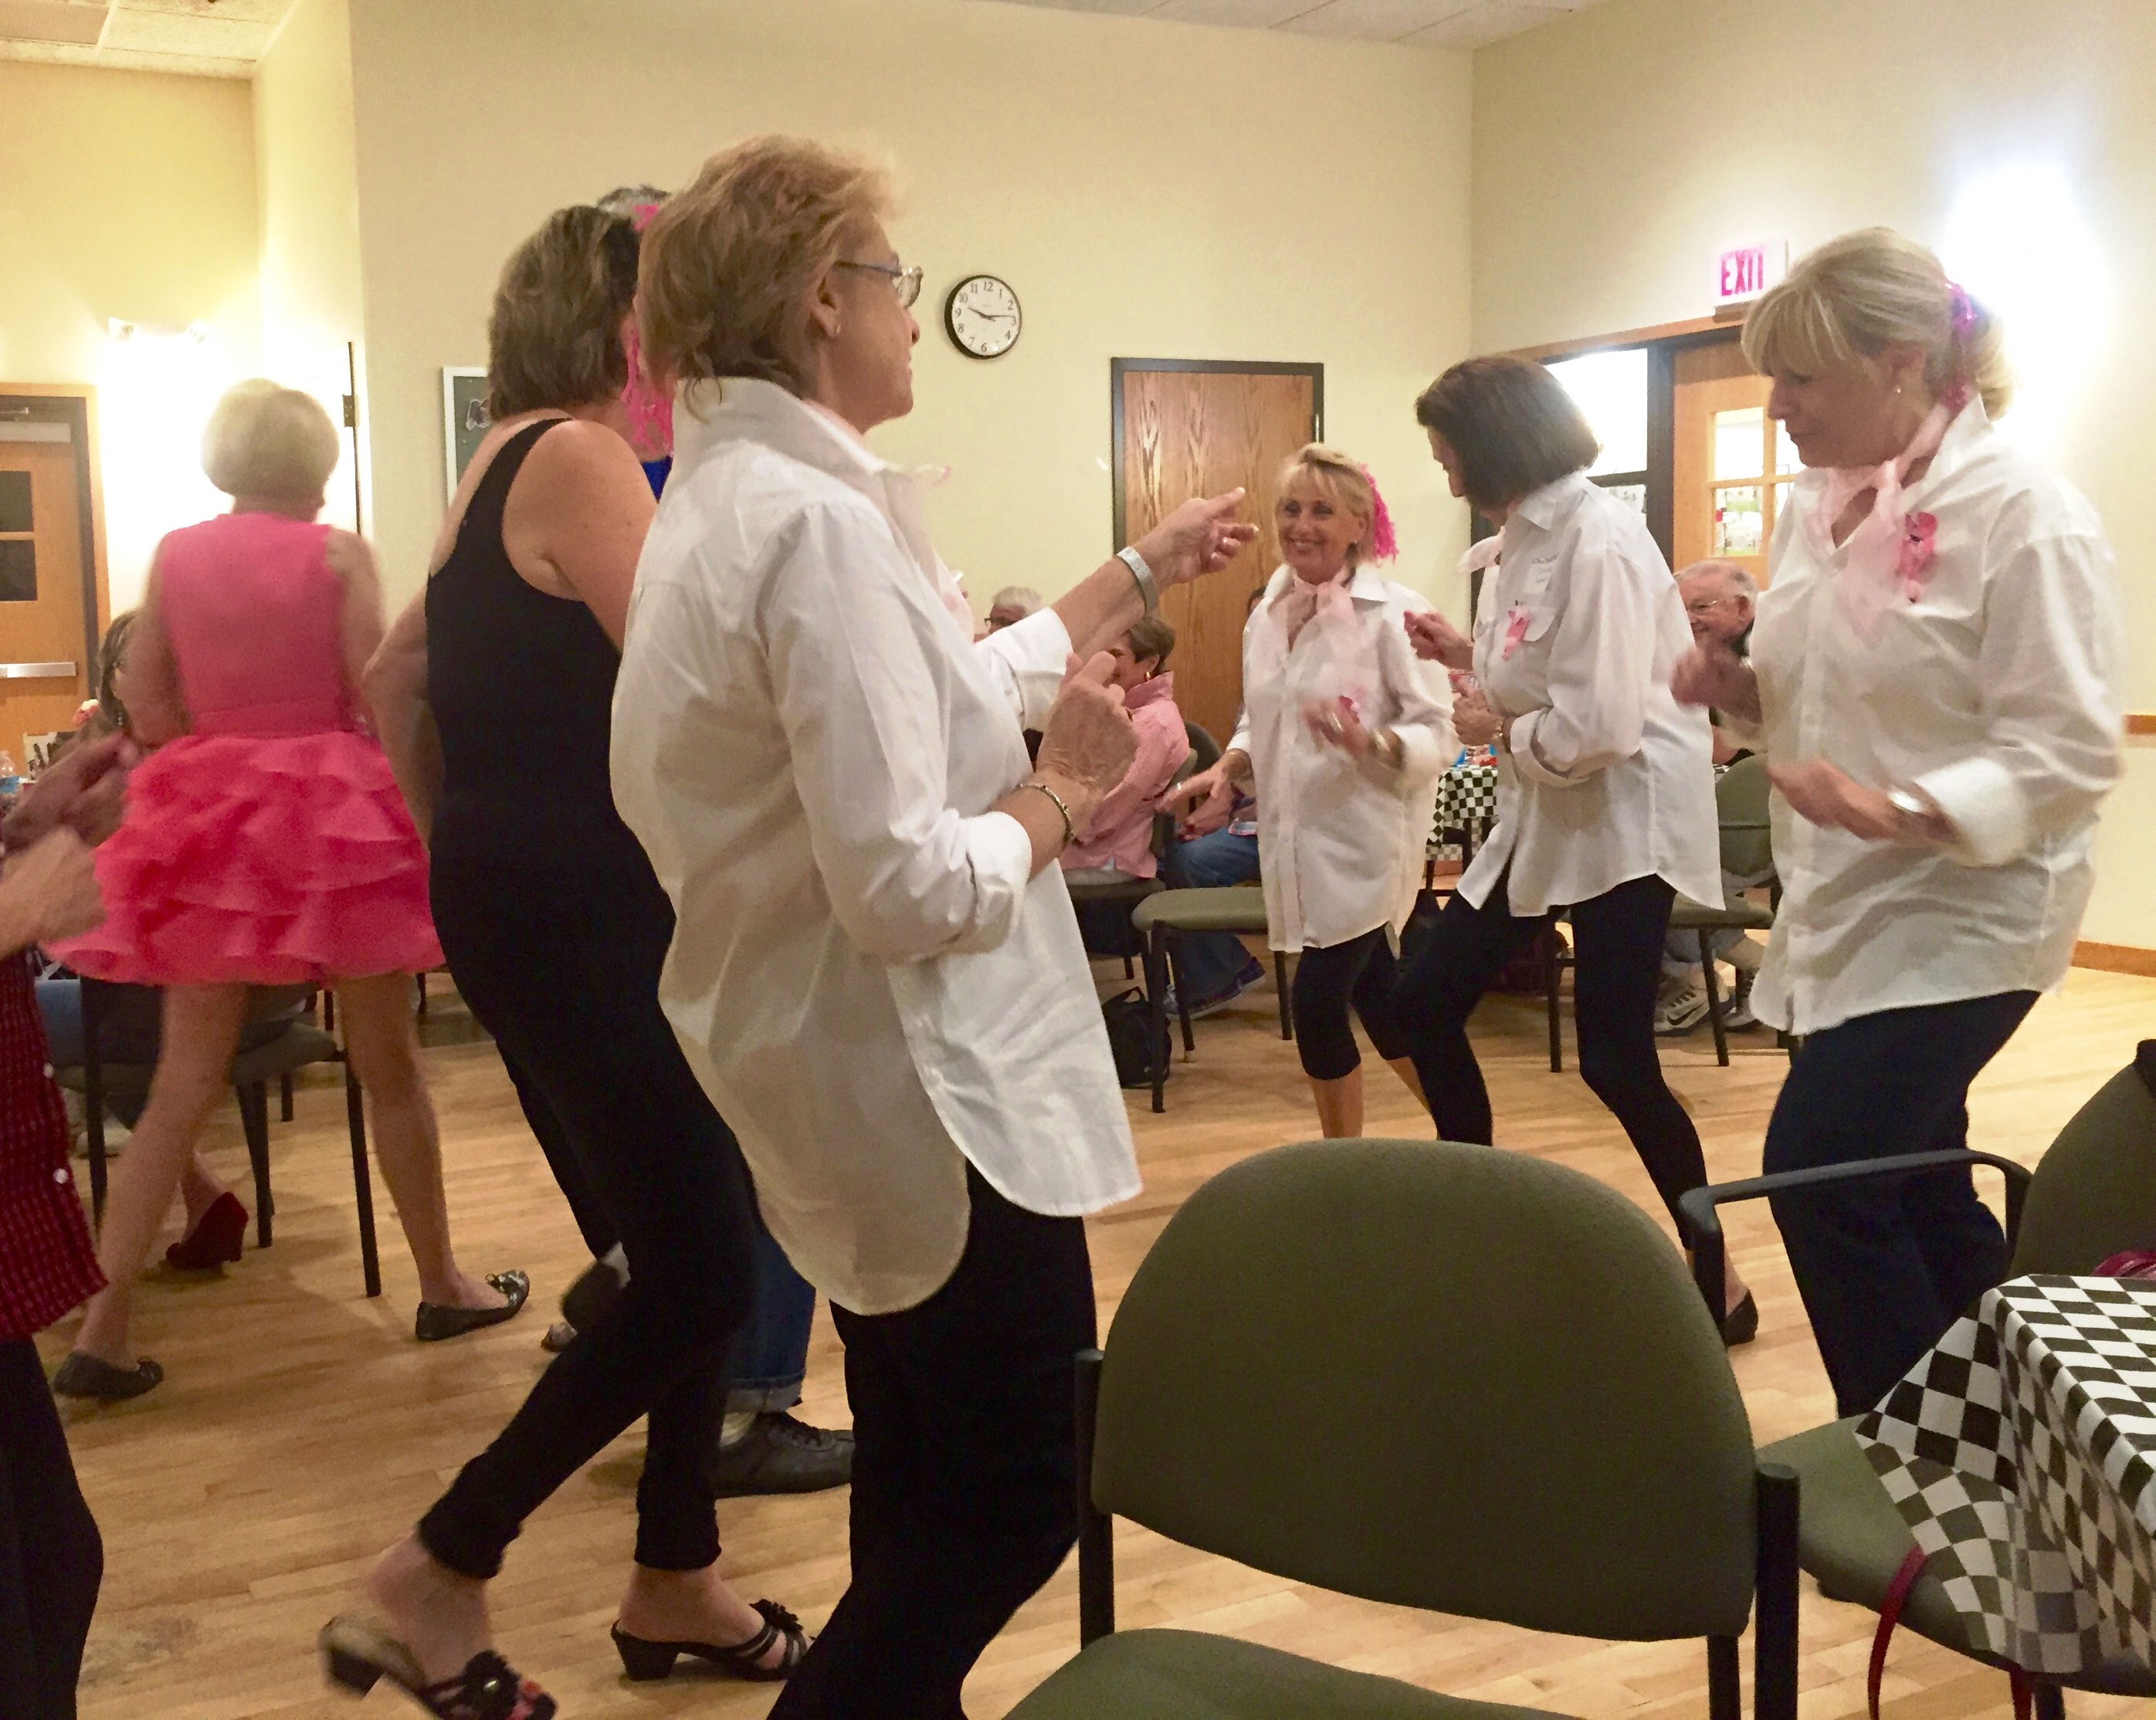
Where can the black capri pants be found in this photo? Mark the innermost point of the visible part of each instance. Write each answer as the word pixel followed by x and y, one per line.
pixel 1360 973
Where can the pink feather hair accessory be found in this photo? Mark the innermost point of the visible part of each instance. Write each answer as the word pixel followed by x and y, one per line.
pixel 1384 544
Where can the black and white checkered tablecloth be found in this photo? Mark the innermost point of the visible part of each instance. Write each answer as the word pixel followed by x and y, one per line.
pixel 2019 1453
pixel 1466 801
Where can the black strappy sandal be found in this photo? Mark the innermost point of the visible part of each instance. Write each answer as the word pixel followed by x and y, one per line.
pixel 356 1657
pixel 645 1661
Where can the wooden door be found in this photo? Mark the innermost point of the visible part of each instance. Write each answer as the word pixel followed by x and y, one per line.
pixel 1182 430
pixel 1731 465
pixel 46 652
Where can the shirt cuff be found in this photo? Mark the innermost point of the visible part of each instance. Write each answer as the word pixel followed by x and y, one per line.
pixel 1034 653
pixel 1001 855
pixel 1421 759
pixel 1520 742
pixel 1985 806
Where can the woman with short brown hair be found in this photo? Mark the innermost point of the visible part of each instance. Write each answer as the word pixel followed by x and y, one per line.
pixel 1605 794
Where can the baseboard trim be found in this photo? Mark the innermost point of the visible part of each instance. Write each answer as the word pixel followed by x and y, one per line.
pixel 2116 958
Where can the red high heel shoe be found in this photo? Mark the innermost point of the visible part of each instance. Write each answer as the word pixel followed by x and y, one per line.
pixel 216 1239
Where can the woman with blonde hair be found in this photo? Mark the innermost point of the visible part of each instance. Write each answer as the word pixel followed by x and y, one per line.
pixel 1930 672
pixel 1342 736
pixel 264 844
pixel 876 974
pixel 1605 797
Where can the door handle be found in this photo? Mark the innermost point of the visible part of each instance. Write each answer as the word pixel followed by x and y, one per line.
pixel 36 671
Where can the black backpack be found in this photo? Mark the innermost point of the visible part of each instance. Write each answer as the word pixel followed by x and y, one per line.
pixel 1127 1017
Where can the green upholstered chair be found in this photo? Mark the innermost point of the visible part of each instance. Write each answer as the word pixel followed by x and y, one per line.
pixel 1747 851
pixel 2093 1196
pixel 1162 919
pixel 1540 1423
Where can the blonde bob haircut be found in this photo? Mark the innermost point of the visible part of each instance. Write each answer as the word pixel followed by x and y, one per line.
pixel 729 261
pixel 1339 476
pixel 265 440
pixel 1856 296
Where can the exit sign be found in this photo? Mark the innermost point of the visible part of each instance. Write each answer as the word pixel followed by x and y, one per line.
pixel 1746 271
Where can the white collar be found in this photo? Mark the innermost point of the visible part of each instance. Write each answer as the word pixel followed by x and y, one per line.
pixel 1543 508
pixel 710 412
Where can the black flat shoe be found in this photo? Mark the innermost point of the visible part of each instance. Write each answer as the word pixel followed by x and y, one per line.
pixel 1741 1325
pixel 645 1661
pixel 88 1376
pixel 356 1657
pixel 437 1321
pixel 780 1455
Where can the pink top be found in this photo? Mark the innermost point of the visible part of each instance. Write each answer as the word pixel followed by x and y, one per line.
pixel 1121 833
pixel 255 614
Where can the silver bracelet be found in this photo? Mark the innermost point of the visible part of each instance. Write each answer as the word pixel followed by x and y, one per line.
pixel 1148 592
pixel 1069 829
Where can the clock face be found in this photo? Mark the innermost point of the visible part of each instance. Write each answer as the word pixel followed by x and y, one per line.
pixel 982 317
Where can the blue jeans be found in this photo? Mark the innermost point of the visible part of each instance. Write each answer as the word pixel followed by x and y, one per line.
pixel 1209 963
pixel 770 1354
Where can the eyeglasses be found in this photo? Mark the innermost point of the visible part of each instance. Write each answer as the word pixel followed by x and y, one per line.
pixel 905 282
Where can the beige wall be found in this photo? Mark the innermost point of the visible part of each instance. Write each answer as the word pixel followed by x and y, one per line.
pixel 1148 190
pixel 308 190
pixel 1616 152
pixel 130 195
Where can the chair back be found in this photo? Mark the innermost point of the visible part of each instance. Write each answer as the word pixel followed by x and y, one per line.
pixel 2094 1195
pixel 1204 750
pixel 1740 807
pixel 1441 1376
pixel 1164 824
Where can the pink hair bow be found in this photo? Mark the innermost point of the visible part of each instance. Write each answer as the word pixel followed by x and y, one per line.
pixel 650 408
pixel 1384 545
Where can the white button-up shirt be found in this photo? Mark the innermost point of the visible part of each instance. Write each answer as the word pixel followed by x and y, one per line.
pixel 1992 695
pixel 1341 843
pixel 865 975
pixel 1605 777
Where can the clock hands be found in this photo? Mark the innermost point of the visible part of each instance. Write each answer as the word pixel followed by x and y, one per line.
pixel 1001 316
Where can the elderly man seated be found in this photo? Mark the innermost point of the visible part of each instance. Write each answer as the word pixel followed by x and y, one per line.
pixel 1011 605
pixel 1720 598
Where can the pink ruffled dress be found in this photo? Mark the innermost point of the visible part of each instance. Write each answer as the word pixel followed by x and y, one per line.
pixel 269 846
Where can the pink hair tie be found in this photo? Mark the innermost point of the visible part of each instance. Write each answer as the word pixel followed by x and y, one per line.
pixel 650 408
pixel 1962 311
pixel 1384 545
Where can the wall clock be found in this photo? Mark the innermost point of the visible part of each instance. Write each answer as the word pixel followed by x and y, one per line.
pixel 982 317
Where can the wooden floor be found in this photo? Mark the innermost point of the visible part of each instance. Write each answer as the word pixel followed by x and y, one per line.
pixel 301 1429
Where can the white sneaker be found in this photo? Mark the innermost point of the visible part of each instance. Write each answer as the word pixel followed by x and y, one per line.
pixel 1681 1007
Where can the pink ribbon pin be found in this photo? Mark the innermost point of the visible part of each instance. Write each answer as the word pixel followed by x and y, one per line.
pixel 1516 630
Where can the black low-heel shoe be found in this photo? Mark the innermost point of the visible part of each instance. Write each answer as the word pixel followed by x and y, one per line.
pixel 644 1661
pixel 438 1320
pixel 88 1376
pixel 1741 1325
pixel 356 1657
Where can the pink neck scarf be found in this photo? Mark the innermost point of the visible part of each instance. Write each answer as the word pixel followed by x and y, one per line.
pixel 1870 569
pixel 1301 602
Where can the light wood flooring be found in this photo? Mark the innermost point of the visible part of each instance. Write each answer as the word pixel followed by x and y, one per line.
pixel 301 1429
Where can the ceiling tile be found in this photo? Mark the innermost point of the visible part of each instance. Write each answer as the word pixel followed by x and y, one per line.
pixel 50 53
pixel 1249 14
pixel 1488 21
pixel 1123 6
pixel 185 65
pixel 252 12
pixel 51 20
pixel 1372 20
pixel 186 33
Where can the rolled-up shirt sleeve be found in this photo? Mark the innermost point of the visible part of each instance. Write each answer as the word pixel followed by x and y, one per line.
pixel 1601 663
pixel 1422 702
pixel 2046 666
pixel 861 701
pixel 1026 661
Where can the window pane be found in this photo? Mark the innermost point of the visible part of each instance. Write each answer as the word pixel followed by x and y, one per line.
pixel 18 570
pixel 1738 448
pixel 1633 495
pixel 1738 527
pixel 1611 389
pixel 15 501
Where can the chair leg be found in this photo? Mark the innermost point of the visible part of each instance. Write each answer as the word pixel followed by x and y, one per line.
pixel 1725 1695
pixel 255 1123
pixel 1182 993
pixel 1096 1530
pixel 283 1098
pixel 329 1010
pixel 1280 985
pixel 363 1183
pixel 1775 1593
pixel 420 981
pixel 93 1112
pixel 2049 1701
pixel 1552 966
pixel 1713 999
pixel 1129 972
pixel 1156 960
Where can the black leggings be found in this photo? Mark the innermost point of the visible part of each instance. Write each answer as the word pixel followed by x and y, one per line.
pixel 1617 940
pixel 562 966
pixel 1361 972
pixel 51 1560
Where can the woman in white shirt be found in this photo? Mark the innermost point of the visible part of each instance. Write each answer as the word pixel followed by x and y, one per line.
pixel 876 971
pixel 1343 734
pixel 1931 670
pixel 1605 794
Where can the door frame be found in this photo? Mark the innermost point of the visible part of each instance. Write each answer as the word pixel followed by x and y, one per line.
pixel 1118 367
pixel 75 406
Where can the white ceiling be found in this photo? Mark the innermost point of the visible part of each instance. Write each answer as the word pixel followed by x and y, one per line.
pixel 215 38
pixel 1424 24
